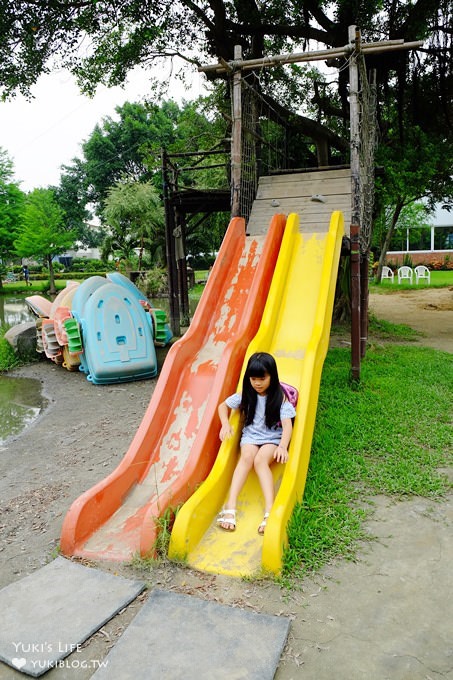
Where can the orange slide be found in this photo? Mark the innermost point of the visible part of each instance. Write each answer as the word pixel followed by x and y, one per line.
pixel 176 444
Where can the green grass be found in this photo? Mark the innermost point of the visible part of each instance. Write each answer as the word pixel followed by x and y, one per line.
pixel 442 278
pixel 390 435
pixel 8 357
pixel 386 330
pixel 381 330
pixel 439 279
pixel 36 288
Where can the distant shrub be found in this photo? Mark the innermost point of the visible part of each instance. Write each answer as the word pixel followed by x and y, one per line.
pixel 153 282
pixel 393 265
pixel 407 261
pixel 82 264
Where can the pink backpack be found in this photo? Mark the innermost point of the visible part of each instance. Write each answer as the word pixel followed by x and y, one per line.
pixel 290 393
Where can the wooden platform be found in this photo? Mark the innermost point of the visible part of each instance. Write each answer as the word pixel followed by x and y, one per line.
pixel 314 195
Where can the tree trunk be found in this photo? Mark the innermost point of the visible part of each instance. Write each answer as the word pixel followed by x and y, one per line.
pixel 342 303
pixel 52 289
pixel 388 237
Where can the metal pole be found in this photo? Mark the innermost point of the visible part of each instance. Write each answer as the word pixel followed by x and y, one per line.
pixel 236 139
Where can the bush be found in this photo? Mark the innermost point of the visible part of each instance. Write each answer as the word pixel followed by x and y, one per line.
pixel 82 264
pixel 77 276
pixel 201 261
pixel 393 266
pixel 407 261
pixel 153 282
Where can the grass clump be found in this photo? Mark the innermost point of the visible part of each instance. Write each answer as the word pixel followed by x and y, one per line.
pixel 8 357
pixel 390 436
pixel 380 329
pixel 391 331
pixel 159 551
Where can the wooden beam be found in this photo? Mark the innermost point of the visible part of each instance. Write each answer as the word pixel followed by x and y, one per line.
pixel 236 142
pixel 316 55
pixel 414 45
pixel 273 61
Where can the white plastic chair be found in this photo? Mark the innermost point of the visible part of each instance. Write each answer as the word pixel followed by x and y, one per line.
pixel 387 273
pixel 422 272
pixel 405 272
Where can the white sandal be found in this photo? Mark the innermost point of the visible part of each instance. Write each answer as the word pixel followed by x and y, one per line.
pixel 263 524
pixel 227 516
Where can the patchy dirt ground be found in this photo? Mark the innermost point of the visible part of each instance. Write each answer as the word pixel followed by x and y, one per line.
pixel 84 432
pixel 429 311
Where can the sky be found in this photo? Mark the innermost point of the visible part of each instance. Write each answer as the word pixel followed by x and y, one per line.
pixel 42 134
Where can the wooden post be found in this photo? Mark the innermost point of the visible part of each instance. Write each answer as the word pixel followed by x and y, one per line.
pixel 182 272
pixel 236 139
pixel 364 294
pixel 354 41
pixel 170 251
pixel 355 302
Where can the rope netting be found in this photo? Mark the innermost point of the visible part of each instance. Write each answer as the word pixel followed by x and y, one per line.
pixel 264 145
pixel 367 150
pixel 263 142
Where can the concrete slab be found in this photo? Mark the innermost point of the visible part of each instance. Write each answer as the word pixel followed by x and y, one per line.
pixel 179 637
pixel 46 616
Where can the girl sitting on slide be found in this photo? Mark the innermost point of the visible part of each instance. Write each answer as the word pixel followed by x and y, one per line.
pixel 267 426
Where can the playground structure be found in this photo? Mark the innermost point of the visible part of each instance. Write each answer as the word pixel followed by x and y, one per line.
pixel 177 442
pixel 260 295
pixel 104 327
pixel 172 451
pixel 295 329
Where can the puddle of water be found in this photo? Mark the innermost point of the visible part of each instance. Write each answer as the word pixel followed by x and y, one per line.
pixel 14 310
pixel 21 402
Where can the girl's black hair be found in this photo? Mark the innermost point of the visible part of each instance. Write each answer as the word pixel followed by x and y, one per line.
pixel 258 365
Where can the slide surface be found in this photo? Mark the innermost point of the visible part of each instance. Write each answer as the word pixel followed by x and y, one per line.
pixel 171 452
pixel 295 328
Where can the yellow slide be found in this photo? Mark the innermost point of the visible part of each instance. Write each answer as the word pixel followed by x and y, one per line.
pixel 295 328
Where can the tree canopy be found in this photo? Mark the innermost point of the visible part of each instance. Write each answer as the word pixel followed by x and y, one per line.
pixel 136 220
pixel 128 147
pixel 125 151
pixel 102 41
pixel 42 234
pixel 11 207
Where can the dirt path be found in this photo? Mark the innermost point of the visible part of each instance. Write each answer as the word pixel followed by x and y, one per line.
pixel 429 310
pixel 383 617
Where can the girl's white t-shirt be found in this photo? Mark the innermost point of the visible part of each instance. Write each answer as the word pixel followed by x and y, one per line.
pixel 258 432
